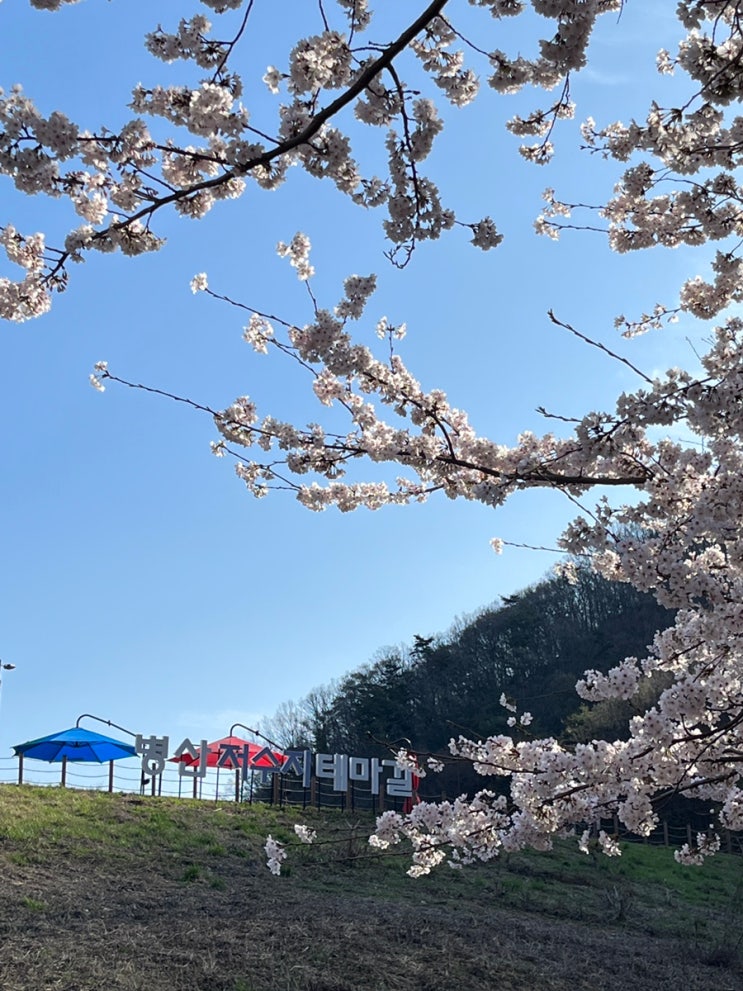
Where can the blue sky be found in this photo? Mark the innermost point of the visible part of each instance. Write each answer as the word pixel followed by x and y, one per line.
pixel 140 582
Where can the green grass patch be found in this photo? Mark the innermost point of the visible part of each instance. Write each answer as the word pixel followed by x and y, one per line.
pixel 174 895
pixel 33 904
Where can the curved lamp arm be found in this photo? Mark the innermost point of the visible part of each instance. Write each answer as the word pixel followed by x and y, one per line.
pixel 89 715
pixel 256 733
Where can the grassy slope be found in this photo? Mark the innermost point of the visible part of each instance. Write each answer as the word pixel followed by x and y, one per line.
pixel 117 893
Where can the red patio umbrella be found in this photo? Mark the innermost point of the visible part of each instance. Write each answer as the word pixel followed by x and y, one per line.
pixel 231 752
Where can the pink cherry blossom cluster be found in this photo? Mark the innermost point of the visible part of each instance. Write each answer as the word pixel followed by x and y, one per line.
pixel 685 191
pixel 193 145
pixel 275 854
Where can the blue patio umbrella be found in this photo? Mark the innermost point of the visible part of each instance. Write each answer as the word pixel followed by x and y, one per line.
pixel 75 744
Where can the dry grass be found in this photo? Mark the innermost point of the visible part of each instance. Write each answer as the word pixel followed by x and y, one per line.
pixel 113 893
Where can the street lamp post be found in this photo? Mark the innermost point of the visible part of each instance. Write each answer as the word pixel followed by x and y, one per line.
pixel 4 666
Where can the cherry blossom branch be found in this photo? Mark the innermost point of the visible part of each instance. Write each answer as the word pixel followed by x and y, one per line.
pixel 312 128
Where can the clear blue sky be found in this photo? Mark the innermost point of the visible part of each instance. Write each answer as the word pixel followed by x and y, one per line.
pixel 139 580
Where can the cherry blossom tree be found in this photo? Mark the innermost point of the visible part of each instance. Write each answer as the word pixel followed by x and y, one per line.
pixel 387 440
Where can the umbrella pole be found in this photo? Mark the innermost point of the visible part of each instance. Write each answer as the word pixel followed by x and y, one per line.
pixel 110 777
pixel 64 772
pixel 20 769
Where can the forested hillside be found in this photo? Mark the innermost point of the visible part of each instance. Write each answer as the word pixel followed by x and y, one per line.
pixel 533 647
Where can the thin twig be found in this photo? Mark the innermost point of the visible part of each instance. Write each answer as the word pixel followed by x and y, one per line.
pixel 599 345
